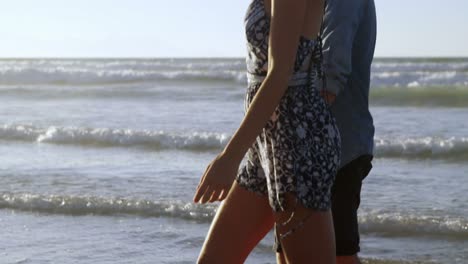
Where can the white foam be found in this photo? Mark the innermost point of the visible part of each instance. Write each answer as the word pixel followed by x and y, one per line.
pixel 400 224
pixel 394 224
pixel 422 147
pixel 418 76
pixel 414 84
pixel 114 137
pixel 112 71
pixel 78 205
pixel 419 147
pixel 60 76
pixel 83 72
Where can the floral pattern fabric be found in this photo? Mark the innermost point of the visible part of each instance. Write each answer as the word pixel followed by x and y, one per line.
pixel 299 149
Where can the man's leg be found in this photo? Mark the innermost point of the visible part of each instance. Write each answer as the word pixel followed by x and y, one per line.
pixel 346 193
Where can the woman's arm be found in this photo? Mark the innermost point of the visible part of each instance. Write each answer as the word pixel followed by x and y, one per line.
pixel 287 21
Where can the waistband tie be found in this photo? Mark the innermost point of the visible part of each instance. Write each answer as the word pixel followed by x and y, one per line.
pixel 298 78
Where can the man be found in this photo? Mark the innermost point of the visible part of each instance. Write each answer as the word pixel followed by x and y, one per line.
pixel 349 41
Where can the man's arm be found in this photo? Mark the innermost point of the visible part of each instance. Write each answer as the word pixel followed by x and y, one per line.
pixel 341 22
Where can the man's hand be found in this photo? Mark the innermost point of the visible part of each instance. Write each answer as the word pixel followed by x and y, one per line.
pixel 329 97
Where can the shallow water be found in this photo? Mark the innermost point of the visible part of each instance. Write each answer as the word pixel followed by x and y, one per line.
pixel 100 159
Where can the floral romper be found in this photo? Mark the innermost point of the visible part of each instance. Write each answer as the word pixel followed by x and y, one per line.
pixel 298 151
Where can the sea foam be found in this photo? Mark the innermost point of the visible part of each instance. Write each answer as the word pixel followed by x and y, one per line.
pixel 409 147
pixel 392 224
pixel 107 137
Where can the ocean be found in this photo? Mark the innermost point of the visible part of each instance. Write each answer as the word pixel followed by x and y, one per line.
pixel 100 159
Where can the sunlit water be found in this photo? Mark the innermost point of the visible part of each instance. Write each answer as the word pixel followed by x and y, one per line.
pixel 100 158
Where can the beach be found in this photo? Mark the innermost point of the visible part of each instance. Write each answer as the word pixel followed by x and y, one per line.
pixel 101 157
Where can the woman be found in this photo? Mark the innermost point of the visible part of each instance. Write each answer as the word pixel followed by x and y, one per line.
pixel 291 141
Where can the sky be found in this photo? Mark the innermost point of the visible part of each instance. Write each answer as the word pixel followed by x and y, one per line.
pixel 207 28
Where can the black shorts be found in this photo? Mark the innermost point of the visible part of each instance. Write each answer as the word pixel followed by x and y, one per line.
pixel 346 197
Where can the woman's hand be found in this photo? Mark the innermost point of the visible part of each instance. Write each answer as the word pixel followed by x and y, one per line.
pixel 217 180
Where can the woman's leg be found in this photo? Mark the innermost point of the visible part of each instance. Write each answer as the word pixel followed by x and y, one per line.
pixel 306 236
pixel 280 258
pixel 242 220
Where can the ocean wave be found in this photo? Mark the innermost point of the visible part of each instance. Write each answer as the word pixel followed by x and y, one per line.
pixel 82 205
pixel 417 95
pixel 392 224
pixel 79 72
pixel 455 148
pixel 119 92
pixel 399 224
pixel 423 78
pixel 426 147
pixel 121 64
pixel 86 76
pixel 405 65
pixel 80 76
pixel 107 137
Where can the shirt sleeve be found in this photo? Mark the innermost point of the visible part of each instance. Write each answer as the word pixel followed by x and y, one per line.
pixel 341 21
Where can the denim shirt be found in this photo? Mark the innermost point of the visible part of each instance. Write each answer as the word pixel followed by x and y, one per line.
pixel 349 37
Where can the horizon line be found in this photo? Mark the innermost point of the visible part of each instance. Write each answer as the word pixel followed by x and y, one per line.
pixel 200 57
